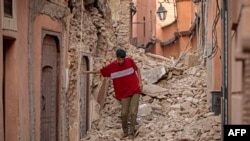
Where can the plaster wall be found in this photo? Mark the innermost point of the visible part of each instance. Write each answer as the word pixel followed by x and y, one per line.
pixel 42 22
pixel 214 58
pixel 144 21
pixel 184 15
pixel 168 33
pixel 16 76
pixel 236 66
pixel 22 66
pixel 181 21
pixel 1 79
pixel 239 62
pixel 165 29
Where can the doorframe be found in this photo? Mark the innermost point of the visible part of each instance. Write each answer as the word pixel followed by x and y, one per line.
pixel 58 39
pixel 89 67
pixel 7 45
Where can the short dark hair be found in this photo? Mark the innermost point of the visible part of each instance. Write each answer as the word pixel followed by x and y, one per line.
pixel 120 53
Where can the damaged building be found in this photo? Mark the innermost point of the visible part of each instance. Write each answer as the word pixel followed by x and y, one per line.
pixel 189 64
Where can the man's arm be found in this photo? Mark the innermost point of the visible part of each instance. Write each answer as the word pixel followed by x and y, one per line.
pixel 138 72
pixel 90 72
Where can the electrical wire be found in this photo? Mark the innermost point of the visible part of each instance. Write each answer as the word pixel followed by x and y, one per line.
pixel 215 47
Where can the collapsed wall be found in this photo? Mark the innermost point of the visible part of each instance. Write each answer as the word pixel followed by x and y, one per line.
pixel 96 34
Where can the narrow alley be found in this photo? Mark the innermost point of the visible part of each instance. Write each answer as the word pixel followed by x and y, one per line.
pixel 174 108
pixel 194 58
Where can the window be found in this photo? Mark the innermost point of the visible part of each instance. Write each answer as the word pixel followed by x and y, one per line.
pixel 9 14
pixel 8 8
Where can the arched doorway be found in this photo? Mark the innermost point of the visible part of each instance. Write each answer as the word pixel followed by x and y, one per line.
pixel 49 89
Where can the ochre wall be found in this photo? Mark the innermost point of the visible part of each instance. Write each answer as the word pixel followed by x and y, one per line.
pixel 16 78
pixel 184 17
pixel 239 36
pixel 216 65
pixel 1 79
pixel 145 9
pixel 42 22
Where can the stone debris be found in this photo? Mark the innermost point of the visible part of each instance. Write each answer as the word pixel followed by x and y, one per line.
pixel 172 108
pixel 152 75
pixel 174 103
pixel 155 91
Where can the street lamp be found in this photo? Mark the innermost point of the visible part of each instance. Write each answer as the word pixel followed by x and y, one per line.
pixel 162 12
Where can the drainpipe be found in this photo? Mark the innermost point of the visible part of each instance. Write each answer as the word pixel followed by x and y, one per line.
pixel 224 87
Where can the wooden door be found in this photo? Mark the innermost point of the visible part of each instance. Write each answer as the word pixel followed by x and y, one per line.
pixel 84 99
pixel 49 93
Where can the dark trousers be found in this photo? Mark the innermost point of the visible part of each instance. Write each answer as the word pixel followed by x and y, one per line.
pixel 129 112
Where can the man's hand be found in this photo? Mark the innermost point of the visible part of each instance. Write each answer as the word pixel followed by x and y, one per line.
pixel 90 72
pixel 84 72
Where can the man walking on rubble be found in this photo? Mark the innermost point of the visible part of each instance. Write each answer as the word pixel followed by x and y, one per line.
pixel 127 84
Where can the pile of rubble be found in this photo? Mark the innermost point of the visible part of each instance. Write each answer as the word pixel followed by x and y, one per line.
pixel 173 105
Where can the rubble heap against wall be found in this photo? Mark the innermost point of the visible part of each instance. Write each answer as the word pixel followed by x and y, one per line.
pixel 173 105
